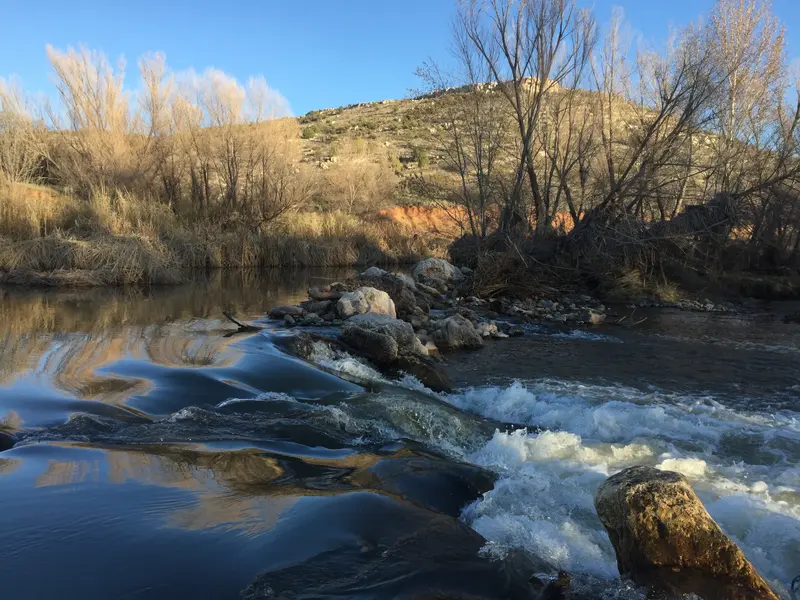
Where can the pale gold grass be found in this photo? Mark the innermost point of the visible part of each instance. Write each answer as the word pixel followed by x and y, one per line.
pixel 51 239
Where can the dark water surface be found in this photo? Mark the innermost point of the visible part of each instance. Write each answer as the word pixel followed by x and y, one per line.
pixel 159 456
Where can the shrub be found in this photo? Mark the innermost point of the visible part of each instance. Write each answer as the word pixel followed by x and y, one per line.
pixel 310 132
pixel 421 157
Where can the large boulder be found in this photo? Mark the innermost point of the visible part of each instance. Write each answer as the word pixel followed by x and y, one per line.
pixel 365 300
pixel 391 344
pixel 381 338
pixel 437 273
pixel 665 539
pixel 457 332
pixel 402 290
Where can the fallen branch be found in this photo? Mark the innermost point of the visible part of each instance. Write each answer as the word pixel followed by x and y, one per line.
pixel 239 324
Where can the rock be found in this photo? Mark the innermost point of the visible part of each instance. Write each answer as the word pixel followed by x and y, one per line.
pixel 407 280
pixel 279 312
pixel 320 307
pixel 457 332
pixel 374 272
pixel 592 318
pixel 402 290
pixel 466 271
pixel 289 321
pixel 381 338
pixel 392 344
pixel 7 440
pixel 487 329
pixel 311 320
pixel 436 272
pixel 558 589
pixel 428 289
pixel 546 304
pixel 665 539
pixel 332 292
pixel 426 371
pixel 468 313
pixel 365 300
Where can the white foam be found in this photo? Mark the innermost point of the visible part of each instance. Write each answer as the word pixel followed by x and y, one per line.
pixel 743 466
pixel 343 363
pixel 694 468
pixel 348 365
pixel 263 397
pixel 582 334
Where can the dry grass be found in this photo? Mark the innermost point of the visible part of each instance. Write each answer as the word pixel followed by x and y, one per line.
pixel 49 239
pixel 111 260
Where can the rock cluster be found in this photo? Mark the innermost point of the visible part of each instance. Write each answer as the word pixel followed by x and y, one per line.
pixel 691 305
pixel 583 310
pixel 401 322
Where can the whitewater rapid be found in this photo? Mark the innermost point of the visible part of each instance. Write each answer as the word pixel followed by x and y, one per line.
pixel 563 439
pixel 743 465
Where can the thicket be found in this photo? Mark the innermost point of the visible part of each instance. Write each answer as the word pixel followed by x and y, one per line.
pixel 192 170
pixel 580 153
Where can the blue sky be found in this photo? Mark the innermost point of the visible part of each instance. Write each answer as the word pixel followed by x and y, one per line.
pixel 318 53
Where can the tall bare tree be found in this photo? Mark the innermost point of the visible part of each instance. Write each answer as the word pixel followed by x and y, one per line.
pixel 530 48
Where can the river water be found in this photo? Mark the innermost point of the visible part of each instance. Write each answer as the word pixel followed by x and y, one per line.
pixel 157 455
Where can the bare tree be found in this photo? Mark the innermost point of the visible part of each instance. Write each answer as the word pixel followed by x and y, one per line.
pixel 749 51
pixel 649 111
pixel 360 178
pixel 476 122
pixel 530 47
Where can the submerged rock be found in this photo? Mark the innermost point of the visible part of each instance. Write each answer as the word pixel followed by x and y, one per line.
pixel 457 332
pixel 379 546
pixel 665 539
pixel 7 440
pixel 365 300
pixel 279 312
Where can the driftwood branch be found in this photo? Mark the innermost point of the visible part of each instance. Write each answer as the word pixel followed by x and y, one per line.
pixel 242 326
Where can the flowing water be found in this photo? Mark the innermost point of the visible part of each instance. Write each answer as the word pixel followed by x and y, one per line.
pixel 158 455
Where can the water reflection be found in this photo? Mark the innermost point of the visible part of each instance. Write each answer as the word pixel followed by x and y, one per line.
pixel 70 341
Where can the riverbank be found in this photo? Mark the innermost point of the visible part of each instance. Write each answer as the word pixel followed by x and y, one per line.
pixel 301 240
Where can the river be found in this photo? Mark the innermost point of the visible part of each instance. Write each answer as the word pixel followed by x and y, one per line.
pixel 159 455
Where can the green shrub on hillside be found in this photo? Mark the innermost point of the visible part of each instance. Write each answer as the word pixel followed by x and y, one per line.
pixel 421 157
pixel 310 132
